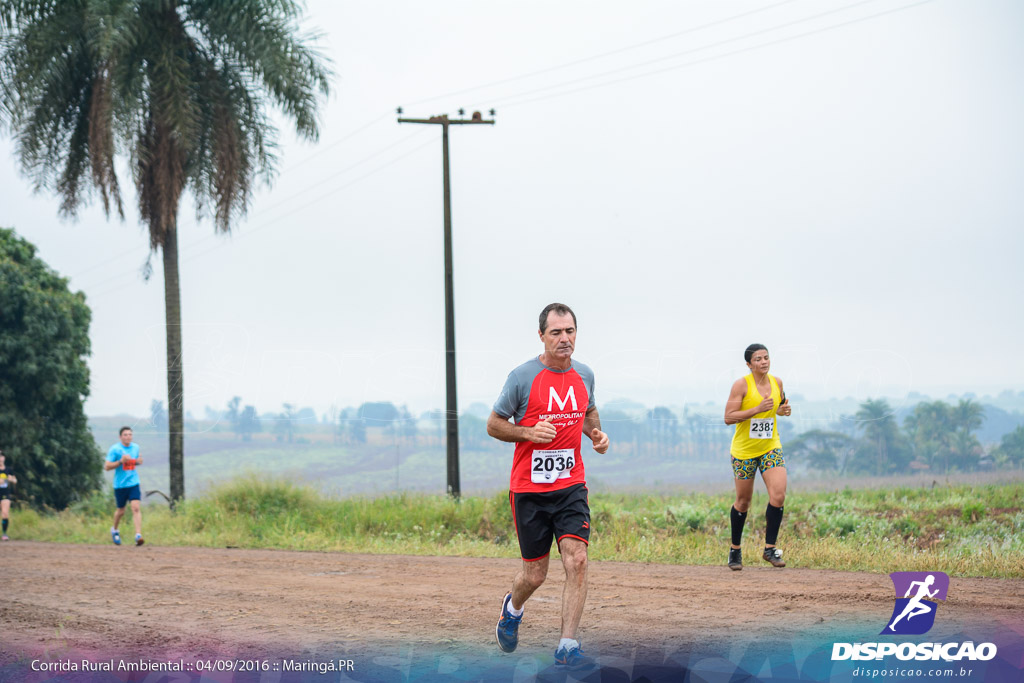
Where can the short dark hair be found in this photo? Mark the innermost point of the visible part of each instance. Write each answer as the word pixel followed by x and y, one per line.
pixel 560 309
pixel 753 348
pixel 122 430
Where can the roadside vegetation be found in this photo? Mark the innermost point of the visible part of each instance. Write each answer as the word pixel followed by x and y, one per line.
pixel 961 530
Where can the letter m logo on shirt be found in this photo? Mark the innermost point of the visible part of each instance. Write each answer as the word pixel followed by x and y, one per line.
pixel 553 397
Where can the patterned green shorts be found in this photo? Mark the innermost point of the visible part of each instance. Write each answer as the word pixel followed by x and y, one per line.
pixel 746 469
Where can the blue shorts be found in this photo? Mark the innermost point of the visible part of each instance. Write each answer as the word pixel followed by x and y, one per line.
pixel 122 496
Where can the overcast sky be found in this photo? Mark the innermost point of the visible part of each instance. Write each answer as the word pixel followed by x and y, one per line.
pixel 841 181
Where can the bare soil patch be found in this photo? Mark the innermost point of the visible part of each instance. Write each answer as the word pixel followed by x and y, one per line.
pixel 208 602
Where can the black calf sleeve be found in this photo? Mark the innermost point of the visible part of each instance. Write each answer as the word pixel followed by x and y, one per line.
pixel 773 520
pixel 737 518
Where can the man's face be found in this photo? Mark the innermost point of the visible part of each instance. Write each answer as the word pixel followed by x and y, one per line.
pixel 759 361
pixel 126 437
pixel 560 336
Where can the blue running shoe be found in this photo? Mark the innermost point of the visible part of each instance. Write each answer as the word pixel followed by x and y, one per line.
pixel 138 539
pixel 507 630
pixel 115 535
pixel 573 659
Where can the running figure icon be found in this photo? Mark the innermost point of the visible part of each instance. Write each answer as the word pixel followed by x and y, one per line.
pixel 916 607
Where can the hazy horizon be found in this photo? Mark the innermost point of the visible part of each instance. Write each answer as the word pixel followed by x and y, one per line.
pixel 839 181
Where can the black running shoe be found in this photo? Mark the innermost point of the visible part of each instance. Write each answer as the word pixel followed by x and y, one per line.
pixel 774 556
pixel 735 559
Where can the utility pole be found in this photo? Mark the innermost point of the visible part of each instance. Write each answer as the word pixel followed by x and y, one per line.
pixel 452 410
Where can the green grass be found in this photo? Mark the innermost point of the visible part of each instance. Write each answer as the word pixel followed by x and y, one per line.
pixel 961 530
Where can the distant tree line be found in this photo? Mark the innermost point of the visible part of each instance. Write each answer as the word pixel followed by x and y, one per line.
pixel 935 437
pixel 660 432
pixel 396 422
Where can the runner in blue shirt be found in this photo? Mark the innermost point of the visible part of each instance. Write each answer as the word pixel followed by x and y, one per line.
pixel 123 458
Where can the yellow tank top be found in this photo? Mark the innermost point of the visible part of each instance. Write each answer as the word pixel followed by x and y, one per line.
pixel 758 435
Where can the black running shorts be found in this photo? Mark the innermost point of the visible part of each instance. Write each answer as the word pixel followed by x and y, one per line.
pixel 539 517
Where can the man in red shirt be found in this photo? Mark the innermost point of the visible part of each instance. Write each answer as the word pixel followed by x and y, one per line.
pixel 550 402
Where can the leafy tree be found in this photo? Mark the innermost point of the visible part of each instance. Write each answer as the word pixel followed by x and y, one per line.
pixel 882 449
pixel 285 425
pixel 233 414
pixel 846 424
pixel 357 430
pixel 620 427
pixel 340 421
pixel 44 341
pixel 663 428
pixel 157 414
pixel 248 423
pixel 408 425
pixel 942 435
pixel 930 429
pixel 1012 447
pixel 179 86
pixel 998 422
pixel 379 414
pixel 967 415
pixel 823 450
pixel 697 428
pixel 473 431
pixel 964 451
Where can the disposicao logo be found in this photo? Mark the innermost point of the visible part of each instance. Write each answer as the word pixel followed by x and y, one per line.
pixel 914 614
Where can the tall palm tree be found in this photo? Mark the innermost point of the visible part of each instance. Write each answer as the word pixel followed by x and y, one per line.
pixel 875 418
pixel 931 429
pixel 967 415
pixel 179 87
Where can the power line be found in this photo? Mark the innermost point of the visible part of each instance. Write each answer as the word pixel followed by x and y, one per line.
pixel 212 236
pixel 336 143
pixel 591 58
pixel 657 60
pixel 329 194
pixel 271 222
pixel 715 57
pixel 346 169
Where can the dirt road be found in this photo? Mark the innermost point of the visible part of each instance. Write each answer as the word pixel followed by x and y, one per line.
pixel 210 602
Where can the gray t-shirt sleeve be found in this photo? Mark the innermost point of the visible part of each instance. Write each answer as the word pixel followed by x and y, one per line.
pixel 516 392
pixel 508 401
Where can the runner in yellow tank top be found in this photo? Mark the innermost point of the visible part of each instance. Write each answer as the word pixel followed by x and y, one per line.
pixel 754 402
